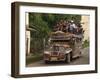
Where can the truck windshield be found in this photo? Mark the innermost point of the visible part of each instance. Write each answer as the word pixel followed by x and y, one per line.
pixel 57 48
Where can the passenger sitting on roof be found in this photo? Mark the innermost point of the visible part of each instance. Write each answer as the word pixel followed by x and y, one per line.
pixel 65 26
pixel 71 27
pixel 57 27
pixel 79 29
pixel 80 32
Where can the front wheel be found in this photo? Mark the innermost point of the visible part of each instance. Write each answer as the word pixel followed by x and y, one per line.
pixel 68 58
pixel 80 54
pixel 47 62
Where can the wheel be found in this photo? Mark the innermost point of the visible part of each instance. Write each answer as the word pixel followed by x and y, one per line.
pixel 80 54
pixel 47 62
pixel 68 58
pixel 71 56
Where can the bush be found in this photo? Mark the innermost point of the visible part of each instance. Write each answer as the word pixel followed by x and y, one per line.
pixel 85 44
pixel 33 58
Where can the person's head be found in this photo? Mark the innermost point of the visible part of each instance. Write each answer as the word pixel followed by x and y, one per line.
pixel 65 21
pixel 71 21
pixel 57 24
pixel 79 25
pixel 61 20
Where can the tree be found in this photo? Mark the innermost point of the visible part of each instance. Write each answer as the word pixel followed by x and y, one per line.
pixel 43 24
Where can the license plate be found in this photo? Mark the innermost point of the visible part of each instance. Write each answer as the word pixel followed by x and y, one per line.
pixel 53 58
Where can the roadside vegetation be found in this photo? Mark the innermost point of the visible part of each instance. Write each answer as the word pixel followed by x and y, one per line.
pixel 85 44
pixel 33 58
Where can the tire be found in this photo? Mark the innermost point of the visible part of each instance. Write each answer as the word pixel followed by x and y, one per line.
pixel 80 54
pixel 68 58
pixel 47 62
pixel 71 56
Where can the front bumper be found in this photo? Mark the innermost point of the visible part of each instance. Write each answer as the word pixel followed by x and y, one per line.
pixel 55 58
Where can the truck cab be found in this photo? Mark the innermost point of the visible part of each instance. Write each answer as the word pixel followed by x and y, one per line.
pixel 57 52
pixel 63 47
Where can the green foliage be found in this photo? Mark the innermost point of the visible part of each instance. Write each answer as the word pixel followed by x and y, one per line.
pixel 43 24
pixel 40 25
pixel 85 44
pixel 33 58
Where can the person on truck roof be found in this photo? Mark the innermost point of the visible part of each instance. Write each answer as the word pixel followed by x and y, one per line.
pixel 71 27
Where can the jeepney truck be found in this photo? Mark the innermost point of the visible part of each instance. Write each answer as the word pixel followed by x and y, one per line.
pixel 63 47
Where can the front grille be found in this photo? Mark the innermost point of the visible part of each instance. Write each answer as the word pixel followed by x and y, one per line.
pixel 54 53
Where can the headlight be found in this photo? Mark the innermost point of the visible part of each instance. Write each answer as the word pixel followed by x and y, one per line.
pixel 46 52
pixel 68 50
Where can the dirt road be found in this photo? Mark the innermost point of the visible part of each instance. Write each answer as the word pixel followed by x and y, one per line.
pixel 84 59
